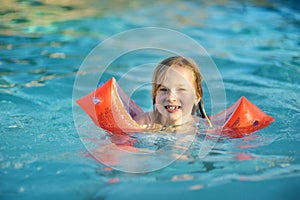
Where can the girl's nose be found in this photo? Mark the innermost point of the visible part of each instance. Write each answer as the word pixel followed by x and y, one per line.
pixel 172 97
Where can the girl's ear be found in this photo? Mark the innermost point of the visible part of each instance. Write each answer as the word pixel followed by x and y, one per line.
pixel 197 100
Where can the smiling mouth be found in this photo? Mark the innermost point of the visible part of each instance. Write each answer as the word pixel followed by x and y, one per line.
pixel 172 108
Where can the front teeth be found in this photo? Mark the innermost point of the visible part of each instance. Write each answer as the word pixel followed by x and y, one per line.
pixel 172 107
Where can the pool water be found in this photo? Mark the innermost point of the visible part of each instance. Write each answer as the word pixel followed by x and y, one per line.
pixel 255 44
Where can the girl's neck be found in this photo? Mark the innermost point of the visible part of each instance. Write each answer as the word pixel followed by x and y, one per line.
pixel 158 119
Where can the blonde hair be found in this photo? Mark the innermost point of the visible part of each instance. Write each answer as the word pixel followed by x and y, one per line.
pixel 187 63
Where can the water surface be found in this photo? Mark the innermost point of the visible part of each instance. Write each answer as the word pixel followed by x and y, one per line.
pixel 42 45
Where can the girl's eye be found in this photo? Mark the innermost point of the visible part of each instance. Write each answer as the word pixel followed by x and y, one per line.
pixel 182 89
pixel 163 89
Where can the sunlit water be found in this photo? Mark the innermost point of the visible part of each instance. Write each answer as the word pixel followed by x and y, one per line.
pixel 256 49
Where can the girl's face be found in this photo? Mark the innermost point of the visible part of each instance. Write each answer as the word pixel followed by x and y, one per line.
pixel 176 96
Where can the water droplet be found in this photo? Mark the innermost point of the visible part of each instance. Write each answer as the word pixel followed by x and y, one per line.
pixel 96 100
pixel 21 189
pixel 255 123
pixel 100 83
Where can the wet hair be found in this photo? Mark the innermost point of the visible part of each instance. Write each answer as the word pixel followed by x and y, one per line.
pixel 187 63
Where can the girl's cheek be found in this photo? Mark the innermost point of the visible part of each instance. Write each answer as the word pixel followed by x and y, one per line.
pixel 158 99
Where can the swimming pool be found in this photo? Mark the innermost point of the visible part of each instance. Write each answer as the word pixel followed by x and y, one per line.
pixel 255 46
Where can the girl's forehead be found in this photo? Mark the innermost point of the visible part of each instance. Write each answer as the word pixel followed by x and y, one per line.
pixel 180 73
pixel 177 75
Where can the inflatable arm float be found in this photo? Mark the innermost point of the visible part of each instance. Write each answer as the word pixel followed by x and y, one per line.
pixel 111 109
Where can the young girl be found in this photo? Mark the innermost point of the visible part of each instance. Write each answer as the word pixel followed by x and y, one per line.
pixel 176 93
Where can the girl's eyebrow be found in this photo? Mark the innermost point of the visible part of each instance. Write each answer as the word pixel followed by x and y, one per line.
pixel 177 85
pixel 180 85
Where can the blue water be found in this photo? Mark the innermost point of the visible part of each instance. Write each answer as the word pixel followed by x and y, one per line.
pixel 256 46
